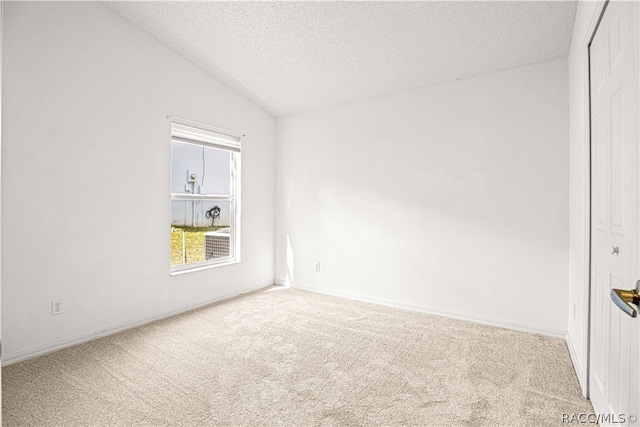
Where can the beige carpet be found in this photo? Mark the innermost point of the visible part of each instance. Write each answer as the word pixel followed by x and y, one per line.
pixel 295 358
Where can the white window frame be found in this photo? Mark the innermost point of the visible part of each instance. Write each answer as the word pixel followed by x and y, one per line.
pixel 191 132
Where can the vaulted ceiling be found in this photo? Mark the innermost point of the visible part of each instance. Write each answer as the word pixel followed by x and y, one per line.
pixel 291 57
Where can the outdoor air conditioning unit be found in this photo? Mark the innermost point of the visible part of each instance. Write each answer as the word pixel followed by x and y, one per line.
pixel 216 243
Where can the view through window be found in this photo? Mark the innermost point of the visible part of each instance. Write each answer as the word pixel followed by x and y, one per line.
pixel 205 164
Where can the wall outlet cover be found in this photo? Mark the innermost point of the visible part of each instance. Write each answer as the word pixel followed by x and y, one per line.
pixel 56 307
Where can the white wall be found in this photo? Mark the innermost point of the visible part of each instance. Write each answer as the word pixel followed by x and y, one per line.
pixel 577 341
pixel 85 176
pixel 450 199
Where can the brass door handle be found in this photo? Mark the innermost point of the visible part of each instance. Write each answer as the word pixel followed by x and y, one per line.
pixel 623 299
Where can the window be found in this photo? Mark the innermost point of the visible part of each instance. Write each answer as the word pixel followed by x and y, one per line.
pixel 205 194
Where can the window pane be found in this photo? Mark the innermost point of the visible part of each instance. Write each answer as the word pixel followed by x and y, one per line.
pixel 197 169
pixel 199 230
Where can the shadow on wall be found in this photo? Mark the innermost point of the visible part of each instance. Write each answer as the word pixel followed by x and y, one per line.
pixel 289 273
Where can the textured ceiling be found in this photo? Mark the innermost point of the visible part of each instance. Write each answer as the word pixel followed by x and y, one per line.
pixel 291 57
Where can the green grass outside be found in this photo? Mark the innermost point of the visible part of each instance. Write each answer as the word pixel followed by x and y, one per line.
pixel 194 242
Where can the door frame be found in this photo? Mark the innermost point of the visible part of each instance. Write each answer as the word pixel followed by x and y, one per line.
pixel 598 13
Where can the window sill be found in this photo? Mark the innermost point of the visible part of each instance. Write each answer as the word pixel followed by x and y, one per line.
pixel 202 267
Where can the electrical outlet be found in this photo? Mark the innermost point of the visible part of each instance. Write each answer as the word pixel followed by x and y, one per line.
pixel 56 307
pixel 317 267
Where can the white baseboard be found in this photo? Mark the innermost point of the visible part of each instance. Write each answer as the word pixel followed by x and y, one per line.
pixel 10 358
pixel 554 333
pixel 18 356
pixel 577 366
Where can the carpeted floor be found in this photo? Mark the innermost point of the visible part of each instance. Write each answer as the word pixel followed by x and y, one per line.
pixel 294 358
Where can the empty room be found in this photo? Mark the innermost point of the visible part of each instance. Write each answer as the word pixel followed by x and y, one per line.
pixel 320 213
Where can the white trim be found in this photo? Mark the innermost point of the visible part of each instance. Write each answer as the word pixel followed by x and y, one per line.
pixel 190 132
pixel 202 265
pixel 236 210
pixel 586 41
pixel 554 333
pixel 204 126
pixel 10 358
pixel 1 53
pixel 208 142
pixel 189 196
pixel 576 364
